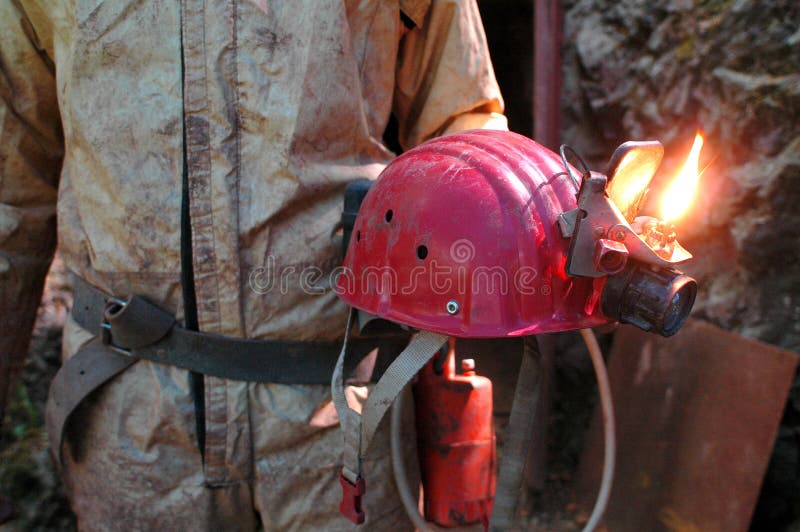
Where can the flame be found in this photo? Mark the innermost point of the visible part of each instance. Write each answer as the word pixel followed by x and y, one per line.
pixel 680 191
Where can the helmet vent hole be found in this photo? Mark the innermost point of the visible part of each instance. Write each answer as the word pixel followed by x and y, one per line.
pixel 358 236
pixel 422 252
pixel 389 215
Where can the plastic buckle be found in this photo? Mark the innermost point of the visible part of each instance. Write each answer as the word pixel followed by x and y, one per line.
pixel 350 507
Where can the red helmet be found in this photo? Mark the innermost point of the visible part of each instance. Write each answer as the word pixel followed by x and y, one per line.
pixel 460 236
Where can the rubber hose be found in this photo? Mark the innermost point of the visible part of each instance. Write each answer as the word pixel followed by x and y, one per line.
pixel 400 476
pixel 608 429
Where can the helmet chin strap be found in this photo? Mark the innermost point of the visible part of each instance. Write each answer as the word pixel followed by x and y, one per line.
pixel 358 429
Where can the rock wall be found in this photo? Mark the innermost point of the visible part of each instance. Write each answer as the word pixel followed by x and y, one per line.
pixel 661 70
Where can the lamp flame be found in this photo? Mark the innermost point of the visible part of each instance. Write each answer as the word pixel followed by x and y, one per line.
pixel 681 189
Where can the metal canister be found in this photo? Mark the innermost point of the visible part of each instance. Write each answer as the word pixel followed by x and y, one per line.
pixel 456 441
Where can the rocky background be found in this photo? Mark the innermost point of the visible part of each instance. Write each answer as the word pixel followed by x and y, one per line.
pixel 661 70
pixel 636 70
pixel 732 70
pixel 632 70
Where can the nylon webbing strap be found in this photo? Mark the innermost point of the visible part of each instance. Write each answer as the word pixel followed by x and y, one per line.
pixel 520 426
pixel 407 364
pixel 349 420
pixel 359 429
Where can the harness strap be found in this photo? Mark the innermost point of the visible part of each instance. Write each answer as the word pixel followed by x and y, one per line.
pixel 518 437
pixel 358 429
pixel 92 366
pixel 137 328
pixel 127 331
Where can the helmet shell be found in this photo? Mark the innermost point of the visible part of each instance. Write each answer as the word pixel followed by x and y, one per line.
pixel 460 236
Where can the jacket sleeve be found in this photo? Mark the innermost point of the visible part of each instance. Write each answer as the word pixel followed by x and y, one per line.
pixel 445 81
pixel 31 152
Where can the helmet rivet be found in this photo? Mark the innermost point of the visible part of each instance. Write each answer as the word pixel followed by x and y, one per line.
pixel 452 308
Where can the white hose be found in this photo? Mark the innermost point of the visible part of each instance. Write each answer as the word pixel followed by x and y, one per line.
pixel 400 476
pixel 608 429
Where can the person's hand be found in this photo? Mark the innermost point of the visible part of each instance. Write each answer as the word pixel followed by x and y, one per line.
pixel 7 510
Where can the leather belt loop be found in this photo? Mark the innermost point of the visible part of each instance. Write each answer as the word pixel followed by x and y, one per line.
pixel 135 322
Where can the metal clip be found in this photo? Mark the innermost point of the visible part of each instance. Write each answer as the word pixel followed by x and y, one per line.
pixel 114 305
pixel 601 219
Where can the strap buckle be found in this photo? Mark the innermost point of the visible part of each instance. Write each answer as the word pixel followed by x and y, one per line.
pixel 350 507
pixel 114 305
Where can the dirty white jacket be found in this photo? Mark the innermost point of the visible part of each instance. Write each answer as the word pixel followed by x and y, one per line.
pixel 261 111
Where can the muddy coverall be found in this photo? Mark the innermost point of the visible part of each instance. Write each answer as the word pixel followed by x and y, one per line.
pixel 266 109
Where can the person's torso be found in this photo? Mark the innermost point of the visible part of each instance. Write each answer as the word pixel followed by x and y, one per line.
pixel 272 105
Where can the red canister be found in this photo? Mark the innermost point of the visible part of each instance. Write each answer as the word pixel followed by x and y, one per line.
pixel 456 440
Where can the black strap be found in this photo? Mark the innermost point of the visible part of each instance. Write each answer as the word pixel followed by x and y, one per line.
pixel 123 325
pixel 88 369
